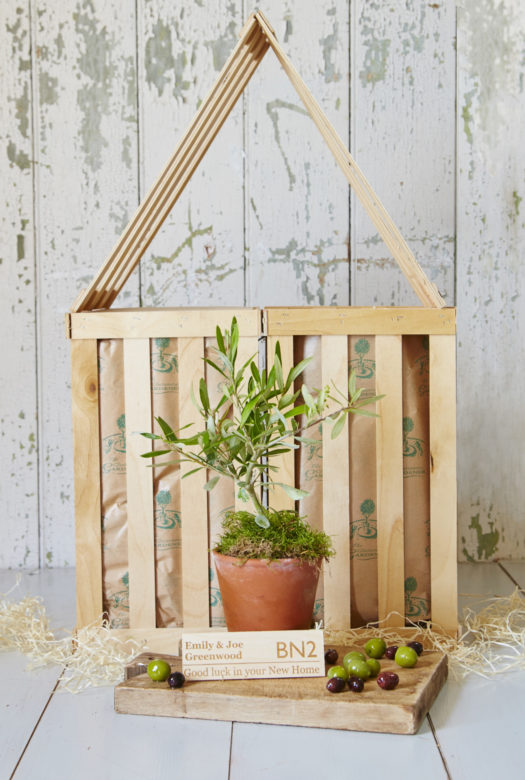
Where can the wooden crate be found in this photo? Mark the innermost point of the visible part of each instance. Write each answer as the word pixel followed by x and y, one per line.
pixel 92 320
pixel 290 702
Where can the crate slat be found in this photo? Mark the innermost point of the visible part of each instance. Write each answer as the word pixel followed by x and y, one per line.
pixel 359 321
pixel 160 323
pixel 194 500
pixel 336 491
pixel 139 482
pixel 86 456
pixel 285 462
pixel 443 487
pixel 389 458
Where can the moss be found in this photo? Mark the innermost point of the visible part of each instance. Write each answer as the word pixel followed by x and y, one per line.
pixel 288 536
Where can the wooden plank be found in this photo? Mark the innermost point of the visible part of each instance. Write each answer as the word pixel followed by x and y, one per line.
pixel 284 701
pixel 86 456
pixel 443 485
pixel 85 114
pixel 296 202
pixel 424 289
pixel 162 323
pixel 389 471
pixel 248 347
pixel 164 193
pixel 490 283
pixel 286 462
pixel 336 489
pixel 139 482
pixel 359 321
pixel 403 68
pixel 197 255
pixel 19 417
pixel 194 501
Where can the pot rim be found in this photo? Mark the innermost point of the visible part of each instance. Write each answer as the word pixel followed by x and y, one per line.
pixel 267 561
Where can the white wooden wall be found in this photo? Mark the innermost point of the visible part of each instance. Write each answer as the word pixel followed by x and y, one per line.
pixel 93 97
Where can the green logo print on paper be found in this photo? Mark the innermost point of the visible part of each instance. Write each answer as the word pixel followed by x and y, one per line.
pixel 411 446
pixel 165 518
pixel 120 599
pixel 364 368
pixel 113 447
pixel 365 526
pixel 161 360
pixel 314 458
pixel 215 594
pixel 415 606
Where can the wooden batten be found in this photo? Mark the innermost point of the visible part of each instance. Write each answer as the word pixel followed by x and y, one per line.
pixel 443 486
pixel 285 462
pixel 86 456
pixel 139 482
pixel 193 499
pixel 359 321
pixel 336 489
pixel 161 323
pixel 389 471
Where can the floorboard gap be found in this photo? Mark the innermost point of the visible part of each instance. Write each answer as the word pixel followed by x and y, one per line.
pixel 11 776
pixel 509 575
pixel 231 746
pixel 436 740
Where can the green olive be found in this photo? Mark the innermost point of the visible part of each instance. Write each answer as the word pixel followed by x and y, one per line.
pixel 356 667
pixel 374 666
pixel 406 656
pixel 159 670
pixel 352 656
pixel 375 647
pixel 338 671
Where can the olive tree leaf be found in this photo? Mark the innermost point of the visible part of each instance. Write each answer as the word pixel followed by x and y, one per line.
pixel 338 426
pixel 292 492
pixel 262 521
pixel 210 484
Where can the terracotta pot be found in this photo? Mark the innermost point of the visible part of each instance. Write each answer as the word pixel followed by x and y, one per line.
pixel 262 595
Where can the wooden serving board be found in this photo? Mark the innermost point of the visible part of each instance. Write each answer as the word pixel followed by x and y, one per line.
pixel 292 702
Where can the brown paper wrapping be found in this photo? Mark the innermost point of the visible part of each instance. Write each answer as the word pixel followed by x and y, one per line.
pixel 309 476
pixel 113 482
pixel 416 476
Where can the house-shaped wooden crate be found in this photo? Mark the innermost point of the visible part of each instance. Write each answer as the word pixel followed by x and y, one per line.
pixel 93 322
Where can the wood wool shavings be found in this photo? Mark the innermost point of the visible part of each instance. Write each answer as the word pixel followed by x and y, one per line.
pixel 491 641
pixel 91 657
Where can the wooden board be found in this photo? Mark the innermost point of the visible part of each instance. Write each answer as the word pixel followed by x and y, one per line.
pixel 293 702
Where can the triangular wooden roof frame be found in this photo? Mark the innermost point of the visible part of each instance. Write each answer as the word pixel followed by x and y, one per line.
pixel 256 37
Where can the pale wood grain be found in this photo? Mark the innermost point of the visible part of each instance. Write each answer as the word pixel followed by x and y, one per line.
pixel 194 500
pixel 389 472
pixel 359 321
pixel 139 484
pixel 402 130
pixel 86 455
pixel 284 702
pixel 278 499
pixel 18 290
pixel 336 489
pixel 443 486
pixel 159 323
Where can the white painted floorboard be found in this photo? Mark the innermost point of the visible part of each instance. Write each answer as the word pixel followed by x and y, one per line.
pixel 24 694
pixel 477 723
